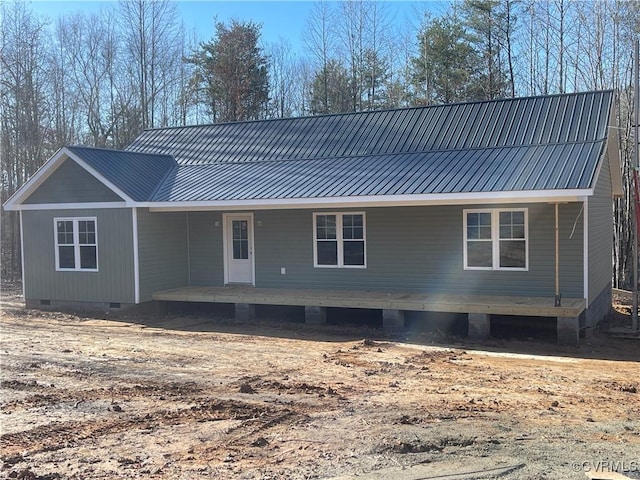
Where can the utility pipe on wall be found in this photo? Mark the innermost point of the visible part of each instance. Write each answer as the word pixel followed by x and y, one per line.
pixel 558 299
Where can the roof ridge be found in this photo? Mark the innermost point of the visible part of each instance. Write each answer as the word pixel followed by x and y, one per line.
pixel 132 152
pixel 365 112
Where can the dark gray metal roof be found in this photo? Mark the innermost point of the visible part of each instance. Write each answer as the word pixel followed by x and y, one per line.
pixel 136 174
pixel 525 144
pixel 555 119
pixel 440 172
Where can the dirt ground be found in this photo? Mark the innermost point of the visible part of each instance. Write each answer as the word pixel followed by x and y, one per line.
pixel 196 395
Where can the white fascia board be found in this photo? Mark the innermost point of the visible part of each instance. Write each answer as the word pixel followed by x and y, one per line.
pixel 376 201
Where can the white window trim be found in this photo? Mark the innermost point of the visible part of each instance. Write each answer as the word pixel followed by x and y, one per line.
pixel 495 238
pixel 339 239
pixel 76 243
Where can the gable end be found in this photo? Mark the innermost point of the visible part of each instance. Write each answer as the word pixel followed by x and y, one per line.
pixel 70 183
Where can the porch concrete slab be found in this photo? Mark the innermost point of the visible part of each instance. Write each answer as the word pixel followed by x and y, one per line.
pixel 315 315
pixel 568 329
pixel 479 326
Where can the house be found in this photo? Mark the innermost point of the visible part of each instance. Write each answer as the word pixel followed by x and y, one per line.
pixel 486 208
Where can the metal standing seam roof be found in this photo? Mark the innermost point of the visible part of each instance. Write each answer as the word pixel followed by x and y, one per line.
pixel 537 143
pixel 569 118
pixel 478 170
pixel 136 174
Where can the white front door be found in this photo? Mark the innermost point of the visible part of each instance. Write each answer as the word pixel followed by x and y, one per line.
pixel 238 245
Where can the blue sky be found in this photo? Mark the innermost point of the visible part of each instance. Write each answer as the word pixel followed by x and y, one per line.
pixel 280 18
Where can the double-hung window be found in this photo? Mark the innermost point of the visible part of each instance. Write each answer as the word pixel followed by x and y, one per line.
pixel 76 242
pixel 339 240
pixel 496 239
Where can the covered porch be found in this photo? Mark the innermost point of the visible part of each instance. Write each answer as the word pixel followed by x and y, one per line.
pixel 393 305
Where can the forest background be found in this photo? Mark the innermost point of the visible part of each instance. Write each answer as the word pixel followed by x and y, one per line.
pixel 100 78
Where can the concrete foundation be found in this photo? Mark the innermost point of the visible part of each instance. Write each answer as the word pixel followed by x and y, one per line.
pixel 599 308
pixel 317 315
pixel 245 311
pixel 74 306
pixel 479 326
pixel 568 329
pixel 392 319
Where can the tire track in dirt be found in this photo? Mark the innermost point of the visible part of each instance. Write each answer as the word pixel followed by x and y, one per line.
pixel 59 435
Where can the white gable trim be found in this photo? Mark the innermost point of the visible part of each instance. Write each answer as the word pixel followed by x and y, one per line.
pixel 377 201
pixel 15 202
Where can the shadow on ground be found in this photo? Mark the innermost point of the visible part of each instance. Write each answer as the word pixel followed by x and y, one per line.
pixel 529 336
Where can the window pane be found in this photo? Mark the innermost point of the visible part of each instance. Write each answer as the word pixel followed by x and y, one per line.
pixel 354 253
pixel 327 253
pixel 326 227
pixel 65 232
pixel 66 257
pixel 512 224
pixel 505 232
pixel 479 226
pixel 86 232
pixel 479 254
pixel 484 233
pixel 517 231
pixel 88 258
pixel 513 253
pixel 517 218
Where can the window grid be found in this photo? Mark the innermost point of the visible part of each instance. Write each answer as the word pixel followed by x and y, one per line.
pixel 508 239
pixel 76 244
pixel 339 240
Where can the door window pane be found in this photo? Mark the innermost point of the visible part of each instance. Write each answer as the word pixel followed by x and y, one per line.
pixel 240 239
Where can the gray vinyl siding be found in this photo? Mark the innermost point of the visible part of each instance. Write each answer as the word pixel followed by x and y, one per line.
pixel 162 251
pixel 408 249
pixel 206 249
pixel 600 231
pixel 114 280
pixel 71 183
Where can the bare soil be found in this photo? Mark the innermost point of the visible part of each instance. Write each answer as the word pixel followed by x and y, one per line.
pixel 196 395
